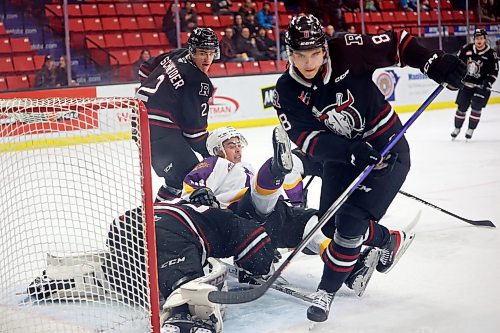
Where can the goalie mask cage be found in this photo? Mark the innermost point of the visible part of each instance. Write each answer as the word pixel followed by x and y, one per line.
pixel 68 168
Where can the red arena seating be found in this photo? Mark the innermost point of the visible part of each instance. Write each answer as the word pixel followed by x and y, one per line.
pixel 17 82
pixel 218 69
pixel 251 67
pixel 6 65
pixel 23 63
pixel 235 68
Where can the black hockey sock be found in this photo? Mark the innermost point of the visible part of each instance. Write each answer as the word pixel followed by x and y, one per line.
pixel 474 118
pixel 378 235
pixel 459 118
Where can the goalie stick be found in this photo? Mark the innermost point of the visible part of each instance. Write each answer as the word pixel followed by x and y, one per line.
pixel 244 296
pixel 479 223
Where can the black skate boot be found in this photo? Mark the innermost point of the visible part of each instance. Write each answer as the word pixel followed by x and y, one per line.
pixel 398 242
pixel 281 164
pixel 468 133
pixel 363 270
pixel 455 133
pixel 320 308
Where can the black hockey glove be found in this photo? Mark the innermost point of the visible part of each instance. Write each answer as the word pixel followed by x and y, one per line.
pixel 204 196
pixel 361 154
pixel 445 68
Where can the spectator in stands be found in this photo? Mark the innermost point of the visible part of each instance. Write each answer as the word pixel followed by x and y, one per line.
pixel 334 11
pixel 62 73
pixel 246 44
pixel 487 10
pixel 349 5
pixel 251 23
pixel 265 45
pixel 408 5
pixel 169 25
pixel 371 6
pixel 46 77
pixel 228 48
pixel 248 7
pixel 145 56
pixel 329 32
pixel 237 26
pixel 188 17
pixel 265 16
pixel 425 5
pixel 351 29
pixel 222 7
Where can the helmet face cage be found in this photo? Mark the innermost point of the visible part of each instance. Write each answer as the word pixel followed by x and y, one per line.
pixel 305 33
pixel 203 38
pixel 217 137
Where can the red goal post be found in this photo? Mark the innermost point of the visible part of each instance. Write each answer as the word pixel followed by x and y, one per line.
pixel 68 168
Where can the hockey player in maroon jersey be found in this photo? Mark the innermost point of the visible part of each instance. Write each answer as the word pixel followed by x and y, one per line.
pixel 333 111
pixel 176 91
pixel 482 71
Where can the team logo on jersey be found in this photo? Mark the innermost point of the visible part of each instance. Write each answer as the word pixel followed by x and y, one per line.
pixel 276 99
pixel 204 90
pixel 305 97
pixel 474 68
pixel 342 118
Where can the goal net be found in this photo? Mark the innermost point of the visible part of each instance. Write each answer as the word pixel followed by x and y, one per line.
pixel 68 168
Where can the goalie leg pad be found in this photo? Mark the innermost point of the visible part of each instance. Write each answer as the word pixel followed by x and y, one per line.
pixel 73 277
pixel 195 294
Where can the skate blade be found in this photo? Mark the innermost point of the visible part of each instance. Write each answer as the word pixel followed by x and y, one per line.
pixel 410 237
pixel 312 325
pixel 361 282
pixel 286 156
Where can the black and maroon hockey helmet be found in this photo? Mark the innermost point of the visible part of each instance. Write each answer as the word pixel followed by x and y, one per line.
pixel 203 38
pixel 305 32
pixel 480 32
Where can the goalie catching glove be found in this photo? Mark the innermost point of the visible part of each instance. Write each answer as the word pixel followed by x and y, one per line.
pixel 204 196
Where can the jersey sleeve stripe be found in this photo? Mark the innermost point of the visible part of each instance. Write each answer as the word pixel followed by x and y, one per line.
pixel 195 137
pixel 308 145
pixel 381 114
pixel 405 40
pixel 246 247
pixel 384 129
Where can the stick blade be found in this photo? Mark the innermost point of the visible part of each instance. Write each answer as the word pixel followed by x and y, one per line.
pixel 482 223
pixel 239 296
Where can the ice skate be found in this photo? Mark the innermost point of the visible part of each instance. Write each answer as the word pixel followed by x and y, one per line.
pixel 320 308
pixel 398 243
pixel 281 164
pixel 183 322
pixel 455 133
pixel 363 270
pixel 468 133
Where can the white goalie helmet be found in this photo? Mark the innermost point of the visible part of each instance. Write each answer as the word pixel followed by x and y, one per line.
pixel 217 137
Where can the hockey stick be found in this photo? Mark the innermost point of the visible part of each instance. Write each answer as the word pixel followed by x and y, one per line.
pixel 308 182
pixel 244 296
pixel 479 223
pixel 278 286
pixel 472 85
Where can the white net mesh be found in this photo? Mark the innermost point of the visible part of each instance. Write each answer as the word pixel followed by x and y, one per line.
pixel 68 167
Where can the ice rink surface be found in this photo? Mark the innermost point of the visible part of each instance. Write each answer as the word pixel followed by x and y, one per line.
pixel 448 280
